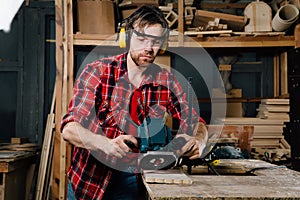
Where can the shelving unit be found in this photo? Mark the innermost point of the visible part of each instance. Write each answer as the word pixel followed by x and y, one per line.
pixel 206 42
pixel 66 40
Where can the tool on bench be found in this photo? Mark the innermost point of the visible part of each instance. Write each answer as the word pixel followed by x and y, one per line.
pixel 209 159
pixel 157 147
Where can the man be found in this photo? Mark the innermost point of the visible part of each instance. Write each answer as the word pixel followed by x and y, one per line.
pixel 113 98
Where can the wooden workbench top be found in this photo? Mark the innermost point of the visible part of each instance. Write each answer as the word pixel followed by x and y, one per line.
pixel 268 181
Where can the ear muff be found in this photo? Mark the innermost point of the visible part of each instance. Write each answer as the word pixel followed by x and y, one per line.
pixel 122 37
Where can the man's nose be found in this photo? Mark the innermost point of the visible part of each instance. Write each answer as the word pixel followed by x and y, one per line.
pixel 149 44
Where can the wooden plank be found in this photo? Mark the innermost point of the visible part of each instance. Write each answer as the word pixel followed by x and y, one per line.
pixel 285 144
pixel 283 74
pixel 276 101
pixel 58 109
pixel 276 75
pixel 223 5
pixel 85 36
pixel 224 16
pixel 207 32
pixel 207 42
pixel 44 161
pixel 172 176
pixel 251 121
pixel 62 150
pixel 262 129
pixel 180 22
pixel 233 22
pixel 67 86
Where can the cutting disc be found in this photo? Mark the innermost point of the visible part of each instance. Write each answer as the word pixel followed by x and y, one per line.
pixel 156 160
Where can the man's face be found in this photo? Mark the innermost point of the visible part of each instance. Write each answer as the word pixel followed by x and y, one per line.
pixel 145 43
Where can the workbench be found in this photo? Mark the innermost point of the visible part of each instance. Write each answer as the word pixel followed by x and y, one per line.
pixel 239 179
pixel 14 174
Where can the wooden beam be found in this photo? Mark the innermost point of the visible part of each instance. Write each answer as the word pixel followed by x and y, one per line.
pixel 283 74
pixel 180 22
pixel 208 5
pixel 58 109
pixel 276 75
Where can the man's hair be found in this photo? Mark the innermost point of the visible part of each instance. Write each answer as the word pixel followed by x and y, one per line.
pixel 147 15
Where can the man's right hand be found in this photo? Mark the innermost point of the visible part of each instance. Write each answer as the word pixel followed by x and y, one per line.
pixel 118 146
pixel 79 136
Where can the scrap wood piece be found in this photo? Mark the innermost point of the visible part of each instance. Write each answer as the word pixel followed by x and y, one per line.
pixel 18 140
pixel 189 14
pixel 285 144
pixel 188 2
pixel 171 17
pixel 171 176
pixel 271 154
pixel 260 17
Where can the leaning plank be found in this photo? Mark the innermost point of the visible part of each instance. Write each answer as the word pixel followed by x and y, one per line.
pixel 45 156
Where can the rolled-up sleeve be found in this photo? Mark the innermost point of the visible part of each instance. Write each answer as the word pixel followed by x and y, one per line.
pixel 82 104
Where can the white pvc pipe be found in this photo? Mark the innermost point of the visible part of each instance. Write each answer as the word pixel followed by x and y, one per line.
pixel 285 17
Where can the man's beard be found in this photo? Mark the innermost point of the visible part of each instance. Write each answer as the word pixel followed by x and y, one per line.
pixel 139 61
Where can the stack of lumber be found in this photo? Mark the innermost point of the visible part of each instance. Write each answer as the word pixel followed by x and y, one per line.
pixel 274 109
pixel 19 144
pixel 268 142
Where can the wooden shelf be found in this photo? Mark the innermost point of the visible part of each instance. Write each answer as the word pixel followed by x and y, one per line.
pixel 206 42
pixel 230 100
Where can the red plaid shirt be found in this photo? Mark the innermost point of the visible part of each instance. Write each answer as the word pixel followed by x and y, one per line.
pixel 101 103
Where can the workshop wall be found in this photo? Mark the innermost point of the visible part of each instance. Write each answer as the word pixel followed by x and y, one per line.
pixel 27 72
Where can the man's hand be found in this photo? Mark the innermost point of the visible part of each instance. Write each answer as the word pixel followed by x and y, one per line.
pixel 190 148
pixel 194 146
pixel 118 147
pixel 79 136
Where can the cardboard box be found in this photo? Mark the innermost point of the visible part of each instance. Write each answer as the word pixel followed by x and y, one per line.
pixel 232 109
pixel 130 6
pixel 96 17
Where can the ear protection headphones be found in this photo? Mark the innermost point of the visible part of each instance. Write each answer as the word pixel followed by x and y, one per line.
pixel 151 15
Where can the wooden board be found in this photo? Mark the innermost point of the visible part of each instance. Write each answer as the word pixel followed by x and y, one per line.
pixel 234 22
pixel 172 176
pixel 251 120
